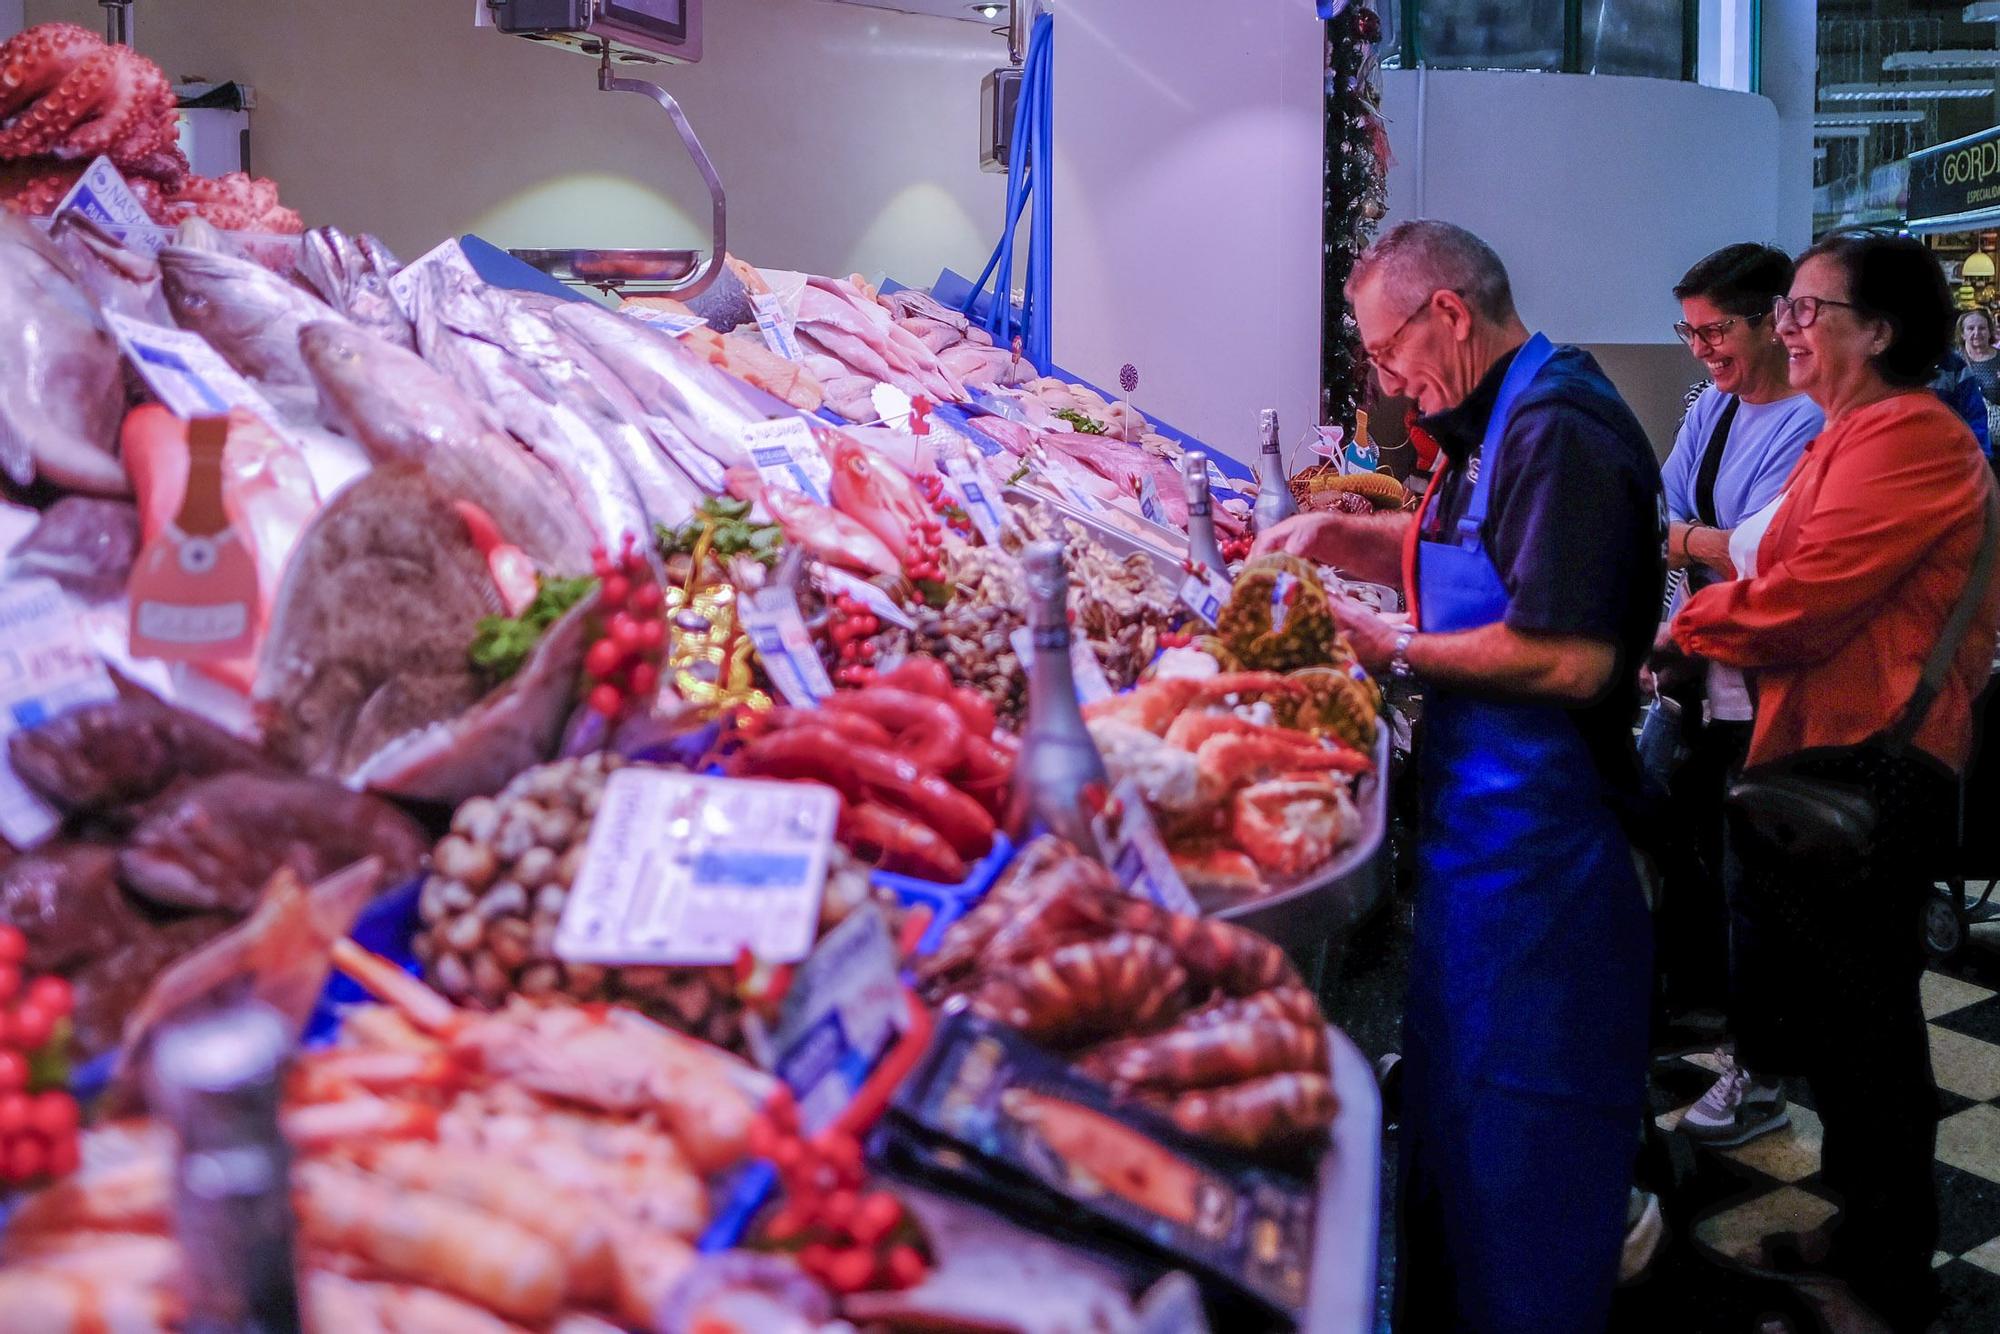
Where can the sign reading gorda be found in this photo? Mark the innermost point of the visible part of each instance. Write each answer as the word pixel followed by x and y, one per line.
pixel 1959 177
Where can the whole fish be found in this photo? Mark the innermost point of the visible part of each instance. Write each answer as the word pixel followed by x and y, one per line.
pixel 344 272
pixel 369 637
pixel 459 331
pixel 875 493
pixel 826 534
pixel 117 277
pixel 405 411
pixel 514 728
pixel 703 407
pixel 62 389
pixel 249 315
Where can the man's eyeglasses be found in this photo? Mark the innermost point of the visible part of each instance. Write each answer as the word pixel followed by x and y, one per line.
pixel 1381 352
pixel 1708 335
pixel 1804 310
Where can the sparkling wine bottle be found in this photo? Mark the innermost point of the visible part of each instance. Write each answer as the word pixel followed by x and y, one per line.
pixel 216 1080
pixel 1202 549
pixel 1274 489
pixel 1059 781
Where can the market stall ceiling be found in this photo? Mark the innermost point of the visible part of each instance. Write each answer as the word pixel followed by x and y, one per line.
pixel 994 14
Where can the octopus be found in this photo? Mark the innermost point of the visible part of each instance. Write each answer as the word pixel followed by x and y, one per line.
pixel 34 187
pixel 66 93
pixel 237 202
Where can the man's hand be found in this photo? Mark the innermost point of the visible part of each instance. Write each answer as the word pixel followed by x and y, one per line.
pixel 1372 634
pixel 1361 546
pixel 1315 537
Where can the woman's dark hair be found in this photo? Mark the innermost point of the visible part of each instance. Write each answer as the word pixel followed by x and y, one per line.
pixel 1743 279
pixel 1896 279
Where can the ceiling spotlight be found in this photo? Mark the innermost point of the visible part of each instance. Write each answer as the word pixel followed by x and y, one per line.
pixel 989 10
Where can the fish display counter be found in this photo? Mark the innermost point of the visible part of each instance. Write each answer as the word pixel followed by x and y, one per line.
pixel 764 765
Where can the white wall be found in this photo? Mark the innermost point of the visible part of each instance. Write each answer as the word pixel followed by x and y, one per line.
pixel 847 137
pixel 13 17
pixel 1187 208
pixel 1598 192
pixel 1791 79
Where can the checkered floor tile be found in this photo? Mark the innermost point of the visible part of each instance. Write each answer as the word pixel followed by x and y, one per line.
pixel 1772 1184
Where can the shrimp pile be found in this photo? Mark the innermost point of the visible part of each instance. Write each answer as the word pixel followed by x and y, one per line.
pixel 539 1168
pixel 1204 1021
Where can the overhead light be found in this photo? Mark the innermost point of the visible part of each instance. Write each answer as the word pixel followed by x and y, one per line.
pixel 1985 11
pixel 1978 264
pixel 989 10
pixel 1927 90
pixel 1843 119
pixel 1900 61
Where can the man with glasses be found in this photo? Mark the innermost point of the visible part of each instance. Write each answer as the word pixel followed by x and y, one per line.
pixel 1534 571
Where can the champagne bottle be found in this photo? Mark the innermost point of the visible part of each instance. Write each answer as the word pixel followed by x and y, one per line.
pixel 1059 781
pixel 1274 490
pixel 1202 548
pixel 193 589
pixel 216 1080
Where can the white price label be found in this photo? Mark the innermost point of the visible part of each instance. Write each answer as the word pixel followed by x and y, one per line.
pixel 1071 492
pixel 975 493
pixel 776 324
pixel 403 283
pixel 1084 668
pixel 184 372
pixel 836 582
pixel 1150 504
pixel 666 321
pixel 771 618
pixel 101 195
pixel 690 869
pixel 1136 853
pixel 844 1007
pixel 787 455
pixel 47 667
pixel 1205 593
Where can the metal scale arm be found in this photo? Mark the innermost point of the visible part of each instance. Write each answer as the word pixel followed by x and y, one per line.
pixel 698 281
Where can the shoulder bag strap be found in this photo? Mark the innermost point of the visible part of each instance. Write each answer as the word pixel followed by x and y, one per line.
pixel 1955 628
pixel 1711 463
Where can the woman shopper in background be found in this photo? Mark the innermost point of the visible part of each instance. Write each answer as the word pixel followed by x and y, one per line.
pixel 1736 447
pixel 1860 569
pixel 1982 361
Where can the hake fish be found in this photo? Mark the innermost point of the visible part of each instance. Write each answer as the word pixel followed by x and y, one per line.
pixel 350 276
pixel 249 315
pixel 458 330
pixel 405 411
pixel 62 390
pixel 705 407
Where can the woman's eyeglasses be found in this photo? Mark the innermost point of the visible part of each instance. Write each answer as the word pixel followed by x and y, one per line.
pixel 1804 310
pixel 1708 335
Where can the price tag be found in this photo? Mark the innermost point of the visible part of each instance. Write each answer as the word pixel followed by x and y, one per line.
pixel 776 325
pixel 1284 589
pixel 892 406
pixel 666 321
pixel 771 618
pixel 47 667
pixel 690 869
pixel 403 283
pixel 1149 501
pixel 1084 668
pixel 787 455
pixel 975 494
pixel 844 1007
pixel 1076 495
pixel 835 582
pixel 1136 853
pixel 184 372
pixel 101 195
pixel 1206 593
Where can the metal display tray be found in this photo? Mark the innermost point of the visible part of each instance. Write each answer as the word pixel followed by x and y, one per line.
pixel 1342 1297
pixel 1118 541
pixel 1321 912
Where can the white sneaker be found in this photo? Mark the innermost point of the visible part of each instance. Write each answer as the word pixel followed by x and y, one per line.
pixel 1736 1109
pixel 1645 1229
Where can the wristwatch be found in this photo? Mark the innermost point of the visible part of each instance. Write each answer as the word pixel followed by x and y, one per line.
pixel 1399 660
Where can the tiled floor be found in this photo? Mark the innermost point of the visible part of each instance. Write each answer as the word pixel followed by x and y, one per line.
pixel 1720 1202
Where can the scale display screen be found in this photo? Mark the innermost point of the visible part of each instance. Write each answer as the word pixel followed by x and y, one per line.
pixel 667 17
pixel 636 29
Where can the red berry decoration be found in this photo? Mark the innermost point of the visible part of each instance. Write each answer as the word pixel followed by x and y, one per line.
pixel 32 1027
pixel 13 945
pixel 607 700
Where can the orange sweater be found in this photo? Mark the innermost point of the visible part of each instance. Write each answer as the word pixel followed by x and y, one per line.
pixel 1874 541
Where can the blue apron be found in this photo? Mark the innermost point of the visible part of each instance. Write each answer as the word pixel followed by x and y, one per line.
pixel 1525 1035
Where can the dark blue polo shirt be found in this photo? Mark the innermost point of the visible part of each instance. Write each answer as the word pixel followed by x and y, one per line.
pixel 1575 526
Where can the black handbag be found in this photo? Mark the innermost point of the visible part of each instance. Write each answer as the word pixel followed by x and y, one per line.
pixel 1831 827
